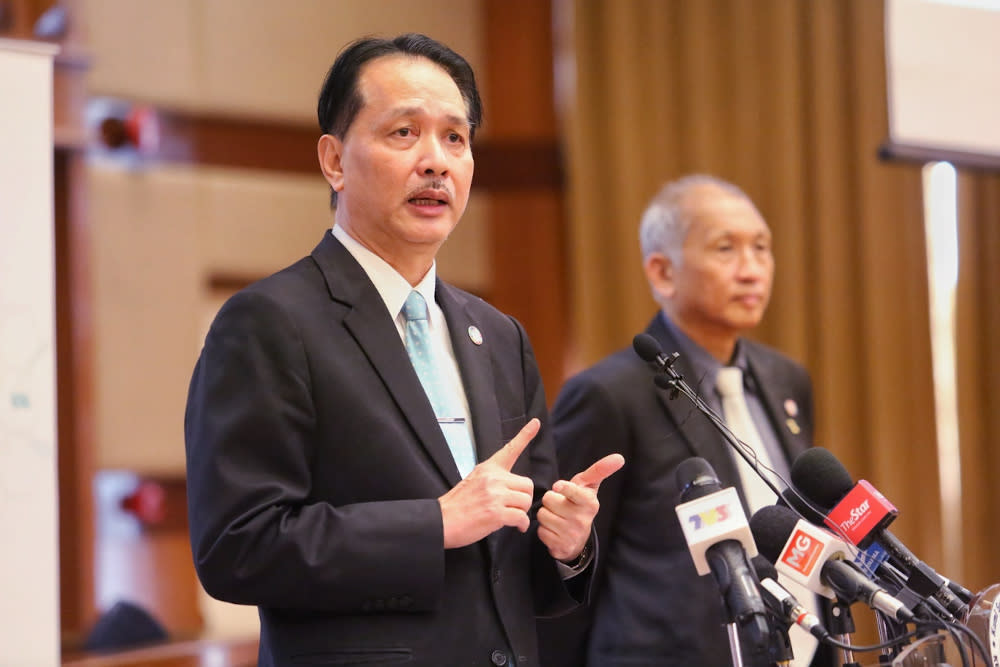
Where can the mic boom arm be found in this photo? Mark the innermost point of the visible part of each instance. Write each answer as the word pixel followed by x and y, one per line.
pixel 668 377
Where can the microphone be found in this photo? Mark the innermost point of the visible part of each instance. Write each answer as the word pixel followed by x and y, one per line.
pixel 719 540
pixel 649 350
pixel 815 558
pixel 780 651
pixel 783 603
pixel 863 513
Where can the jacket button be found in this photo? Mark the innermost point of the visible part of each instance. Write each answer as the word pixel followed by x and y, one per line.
pixel 499 658
pixel 496 575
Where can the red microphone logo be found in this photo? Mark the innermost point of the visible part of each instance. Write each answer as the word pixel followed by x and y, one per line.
pixel 860 513
pixel 801 552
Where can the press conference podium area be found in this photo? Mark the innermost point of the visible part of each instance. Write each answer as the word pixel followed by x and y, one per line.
pixel 192 653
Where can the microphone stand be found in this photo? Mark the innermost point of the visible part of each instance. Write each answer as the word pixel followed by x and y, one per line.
pixel 842 626
pixel 734 643
pixel 779 653
pixel 674 381
pixel 670 379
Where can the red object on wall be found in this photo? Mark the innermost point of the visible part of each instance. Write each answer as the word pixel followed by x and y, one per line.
pixel 139 129
pixel 148 502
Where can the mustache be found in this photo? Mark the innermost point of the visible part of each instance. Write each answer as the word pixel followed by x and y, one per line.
pixel 435 184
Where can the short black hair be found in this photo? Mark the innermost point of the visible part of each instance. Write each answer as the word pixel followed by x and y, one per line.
pixel 340 100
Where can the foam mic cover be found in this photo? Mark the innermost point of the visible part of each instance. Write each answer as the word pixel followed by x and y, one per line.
pixel 858 511
pixel 646 347
pixel 792 499
pixel 819 474
pixel 763 567
pixel 797 549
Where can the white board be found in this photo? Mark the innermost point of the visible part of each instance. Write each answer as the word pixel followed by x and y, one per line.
pixel 942 59
pixel 29 557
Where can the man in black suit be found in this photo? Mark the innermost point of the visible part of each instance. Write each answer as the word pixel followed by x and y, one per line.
pixel 707 256
pixel 326 483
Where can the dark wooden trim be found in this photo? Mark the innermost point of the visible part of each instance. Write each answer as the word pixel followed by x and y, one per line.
pixel 518 164
pixel 233 142
pixel 889 151
pixel 225 283
pixel 69 98
pixel 194 653
pixel 74 327
pixel 204 139
pixel 75 397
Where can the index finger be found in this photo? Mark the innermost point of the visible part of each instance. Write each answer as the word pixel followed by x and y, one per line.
pixel 599 471
pixel 507 455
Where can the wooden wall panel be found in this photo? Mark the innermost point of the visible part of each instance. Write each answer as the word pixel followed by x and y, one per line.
pixel 250 57
pixel 145 228
pixel 527 222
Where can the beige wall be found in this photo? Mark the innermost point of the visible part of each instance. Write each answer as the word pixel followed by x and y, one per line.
pixel 160 231
pixel 251 57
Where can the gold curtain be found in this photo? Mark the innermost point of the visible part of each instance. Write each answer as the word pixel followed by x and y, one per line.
pixel 787 99
pixel 978 368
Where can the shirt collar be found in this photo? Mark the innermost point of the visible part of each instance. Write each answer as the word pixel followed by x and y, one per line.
pixel 702 363
pixel 391 286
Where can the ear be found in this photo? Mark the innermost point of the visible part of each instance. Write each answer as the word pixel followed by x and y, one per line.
pixel 660 274
pixel 330 150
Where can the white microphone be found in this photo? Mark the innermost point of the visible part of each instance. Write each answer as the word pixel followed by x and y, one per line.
pixel 711 519
pixel 815 558
pixel 719 540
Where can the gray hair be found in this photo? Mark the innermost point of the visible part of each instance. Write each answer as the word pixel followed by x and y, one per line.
pixel 667 218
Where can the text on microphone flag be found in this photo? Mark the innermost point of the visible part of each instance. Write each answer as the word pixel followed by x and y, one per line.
pixel 860 513
pixel 802 552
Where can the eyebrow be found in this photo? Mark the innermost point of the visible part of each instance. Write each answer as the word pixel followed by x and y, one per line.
pixel 405 112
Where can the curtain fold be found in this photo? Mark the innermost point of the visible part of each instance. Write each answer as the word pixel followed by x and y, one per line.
pixel 977 309
pixel 787 99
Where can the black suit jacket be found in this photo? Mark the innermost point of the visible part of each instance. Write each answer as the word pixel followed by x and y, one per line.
pixel 649 605
pixel 315 462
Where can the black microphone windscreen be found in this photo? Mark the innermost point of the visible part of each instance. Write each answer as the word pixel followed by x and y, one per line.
pixel 695 478
pixel 771 526
pixel 818 474
pixel 764 568
pixel 795 500
pixel 646 347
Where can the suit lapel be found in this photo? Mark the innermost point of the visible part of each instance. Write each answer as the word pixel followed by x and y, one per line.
pixel 697 432
pixel 475 364
pixel 774 404
pixel 374 331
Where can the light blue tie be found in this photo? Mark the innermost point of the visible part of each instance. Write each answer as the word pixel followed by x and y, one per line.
pixel 446 403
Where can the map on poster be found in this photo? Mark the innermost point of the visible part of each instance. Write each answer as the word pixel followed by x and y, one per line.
pixel 27 409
